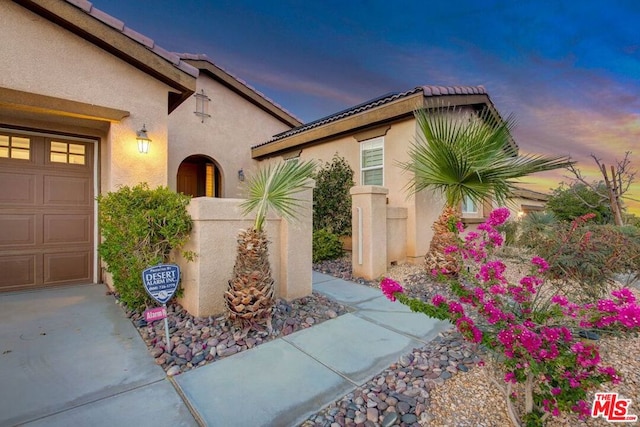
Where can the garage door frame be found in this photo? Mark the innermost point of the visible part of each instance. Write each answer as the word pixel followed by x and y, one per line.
pixel 95 141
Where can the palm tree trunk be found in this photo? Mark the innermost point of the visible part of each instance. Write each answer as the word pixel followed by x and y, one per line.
pixel 250 295
pixel 443 236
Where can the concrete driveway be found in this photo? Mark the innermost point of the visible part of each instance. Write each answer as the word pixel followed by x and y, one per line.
pixel 69 356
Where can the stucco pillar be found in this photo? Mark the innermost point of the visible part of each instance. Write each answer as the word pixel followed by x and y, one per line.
pixel 296 250
pixel 369 236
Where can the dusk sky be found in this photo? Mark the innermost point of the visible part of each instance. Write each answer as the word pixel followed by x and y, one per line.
pixel 568 70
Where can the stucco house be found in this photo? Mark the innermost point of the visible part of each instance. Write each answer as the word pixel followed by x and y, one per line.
pixel 374 137
pixel 77 89
pixel 88 104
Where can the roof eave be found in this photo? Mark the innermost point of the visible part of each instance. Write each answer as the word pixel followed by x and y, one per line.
pixel 80 22
pixel 385 113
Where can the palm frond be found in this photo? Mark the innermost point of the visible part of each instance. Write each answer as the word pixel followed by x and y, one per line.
pixel 462 154
pixel 274 188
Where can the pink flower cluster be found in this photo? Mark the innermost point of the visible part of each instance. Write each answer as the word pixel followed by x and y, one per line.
pixel 390 287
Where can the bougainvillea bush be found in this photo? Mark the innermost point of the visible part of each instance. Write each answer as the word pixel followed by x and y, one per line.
pixel 534 334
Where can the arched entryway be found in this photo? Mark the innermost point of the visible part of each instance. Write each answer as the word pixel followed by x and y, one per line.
pixel 199 176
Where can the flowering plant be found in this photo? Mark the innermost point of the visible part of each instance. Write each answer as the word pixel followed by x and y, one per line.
pixel 535 334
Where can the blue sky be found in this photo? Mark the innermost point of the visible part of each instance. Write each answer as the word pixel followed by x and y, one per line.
pixel 568 70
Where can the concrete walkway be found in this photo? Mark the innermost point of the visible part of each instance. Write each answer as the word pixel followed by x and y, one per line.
pixel 69 356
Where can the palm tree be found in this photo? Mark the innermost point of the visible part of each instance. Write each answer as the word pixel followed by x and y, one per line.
pixel 466 156
pixel 250 296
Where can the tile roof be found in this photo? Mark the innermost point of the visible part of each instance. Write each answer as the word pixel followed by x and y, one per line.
pixel 118 25
pixel 203 57
pixel 428 91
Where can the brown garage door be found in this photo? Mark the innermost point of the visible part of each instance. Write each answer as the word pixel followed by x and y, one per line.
pixel 46 211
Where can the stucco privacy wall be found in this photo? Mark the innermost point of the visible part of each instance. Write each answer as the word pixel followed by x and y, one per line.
pixel 39 57
pixel 227 136
pixel 214 239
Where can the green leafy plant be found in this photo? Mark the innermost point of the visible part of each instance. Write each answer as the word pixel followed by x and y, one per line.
pixel 326 245
pixel 140 228
pixel 570 201
pixel 331 197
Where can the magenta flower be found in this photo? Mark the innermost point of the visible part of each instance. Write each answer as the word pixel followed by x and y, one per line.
pixel 390 287
pixel 437 300
pixel 460 226
pixel 510 377
pixel 541 263
pixel 498 216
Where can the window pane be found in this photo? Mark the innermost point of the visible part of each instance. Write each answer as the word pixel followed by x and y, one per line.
pixel 4 141
pixel 59 157
pixel 4 152
pixel 372 177
pixel 372 158
pixel 76 149
pixel 19 153
pixel 76 159
pixel 468 206
pixel 18 142
pixel 60 147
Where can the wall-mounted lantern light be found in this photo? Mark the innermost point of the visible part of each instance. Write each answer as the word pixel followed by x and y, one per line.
pixel 143 140
pixel 241 175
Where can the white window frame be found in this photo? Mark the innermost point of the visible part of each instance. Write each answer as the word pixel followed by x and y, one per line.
pixel 371 144
pixel 469 202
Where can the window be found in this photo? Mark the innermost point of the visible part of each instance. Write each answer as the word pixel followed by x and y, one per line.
pixel 469 206
pixel 372 161
pixel 15 147
pixel 64 152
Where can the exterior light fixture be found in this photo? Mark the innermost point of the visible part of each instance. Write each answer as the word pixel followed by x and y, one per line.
pixel 143 140
pixel 241 175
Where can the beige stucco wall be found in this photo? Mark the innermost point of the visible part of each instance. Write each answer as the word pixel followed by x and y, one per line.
pixel 226 137
pixel 217 222
pixel 40 57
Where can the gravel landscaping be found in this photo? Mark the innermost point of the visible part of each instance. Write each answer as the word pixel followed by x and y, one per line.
pixel 439 384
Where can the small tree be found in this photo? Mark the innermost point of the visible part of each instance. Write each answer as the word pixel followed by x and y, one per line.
pixel 140 227
pixel 250 296
pixel 616 184
pixel 331 198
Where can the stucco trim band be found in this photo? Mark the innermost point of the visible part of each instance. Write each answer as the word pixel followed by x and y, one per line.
pixel 33 102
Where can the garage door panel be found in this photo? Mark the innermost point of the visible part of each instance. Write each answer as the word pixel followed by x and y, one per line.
pixel 67 191
pixel 17 230
pixel 17 189
pixel 46 211
pixel 17 271
pixel 67 267
pixel 63 228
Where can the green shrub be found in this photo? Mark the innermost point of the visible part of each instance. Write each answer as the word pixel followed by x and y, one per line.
pixel 510 231
pixel 331 197
pixel 326 245
pixel 140 227
pixel 536 228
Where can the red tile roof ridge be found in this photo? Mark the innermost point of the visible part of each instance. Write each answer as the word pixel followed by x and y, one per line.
pixel 427 90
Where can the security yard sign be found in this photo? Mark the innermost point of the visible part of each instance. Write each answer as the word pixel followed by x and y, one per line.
pixel 161 281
